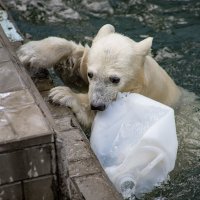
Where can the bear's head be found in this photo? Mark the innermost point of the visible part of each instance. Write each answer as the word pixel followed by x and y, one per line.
pixel 115 64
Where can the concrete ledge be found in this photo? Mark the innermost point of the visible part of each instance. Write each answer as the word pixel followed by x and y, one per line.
pixel 27 149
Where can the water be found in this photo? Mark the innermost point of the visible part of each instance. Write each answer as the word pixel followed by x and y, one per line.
pixel 175 26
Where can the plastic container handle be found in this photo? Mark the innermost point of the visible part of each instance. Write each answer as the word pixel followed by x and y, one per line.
pixel 153 163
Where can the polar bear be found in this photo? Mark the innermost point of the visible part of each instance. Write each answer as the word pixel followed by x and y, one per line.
pixel 114 63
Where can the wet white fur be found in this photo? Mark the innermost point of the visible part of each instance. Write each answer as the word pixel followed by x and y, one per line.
pixel 111 54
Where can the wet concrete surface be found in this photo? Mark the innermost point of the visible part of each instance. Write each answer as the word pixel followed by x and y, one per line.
pixel 20 115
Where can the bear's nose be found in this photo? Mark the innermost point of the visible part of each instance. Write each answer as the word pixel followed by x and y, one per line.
pixel 99 107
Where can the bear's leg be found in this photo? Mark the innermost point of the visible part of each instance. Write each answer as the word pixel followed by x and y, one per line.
pixel 78 103
pixel 48 52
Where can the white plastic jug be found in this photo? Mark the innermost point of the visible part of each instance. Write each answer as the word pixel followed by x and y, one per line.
pixel 135 141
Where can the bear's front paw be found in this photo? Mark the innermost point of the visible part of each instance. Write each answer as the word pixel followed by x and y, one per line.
pixel 34 54
pixel 64 96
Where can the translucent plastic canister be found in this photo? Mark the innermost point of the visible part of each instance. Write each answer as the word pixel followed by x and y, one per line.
pixel 135 141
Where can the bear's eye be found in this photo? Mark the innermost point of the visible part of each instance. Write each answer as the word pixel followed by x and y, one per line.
pixel 90 75
pixel 114 79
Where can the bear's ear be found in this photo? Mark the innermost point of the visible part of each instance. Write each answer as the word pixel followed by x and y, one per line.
pixel 144 47
pixel 103 31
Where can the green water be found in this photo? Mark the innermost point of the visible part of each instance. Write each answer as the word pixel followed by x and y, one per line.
pixel 175 26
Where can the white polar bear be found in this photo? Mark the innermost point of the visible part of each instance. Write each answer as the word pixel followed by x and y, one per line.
pixel 114 63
